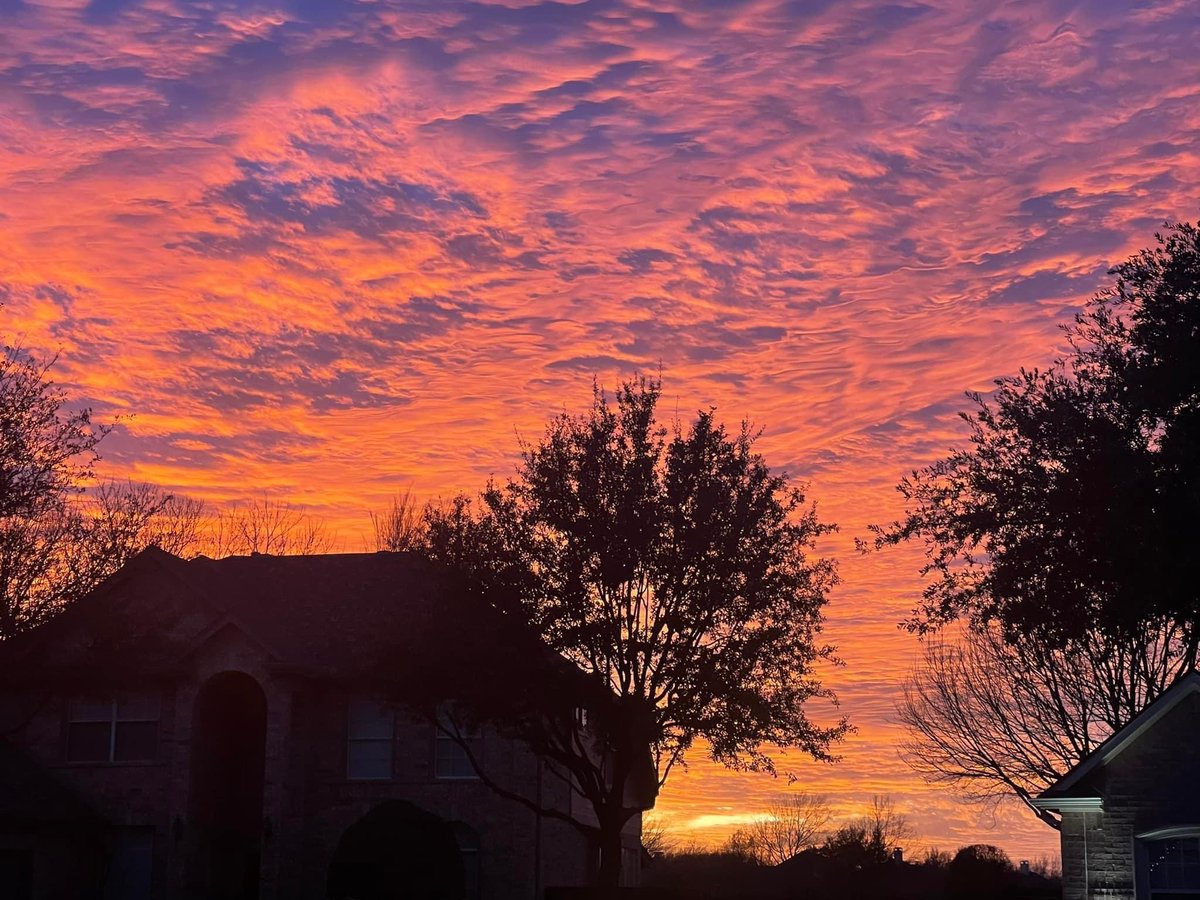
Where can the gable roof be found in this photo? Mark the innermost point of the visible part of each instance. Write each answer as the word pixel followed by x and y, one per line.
pixel 325 613
pixel 1068 792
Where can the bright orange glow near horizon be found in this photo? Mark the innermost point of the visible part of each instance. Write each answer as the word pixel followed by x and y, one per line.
pixel 328 250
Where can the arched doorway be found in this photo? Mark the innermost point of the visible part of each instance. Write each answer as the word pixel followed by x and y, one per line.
pixel 229 735
pixel 397 850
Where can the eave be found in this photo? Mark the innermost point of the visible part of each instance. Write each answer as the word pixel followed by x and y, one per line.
pixel 1069 804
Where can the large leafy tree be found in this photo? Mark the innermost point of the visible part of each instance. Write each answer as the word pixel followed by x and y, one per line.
pixel 1075 504
pixel 1064 535
pixel 671 575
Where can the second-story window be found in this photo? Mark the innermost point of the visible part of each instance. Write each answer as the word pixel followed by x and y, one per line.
pixel 451 759
pixel 370 727
pixel 121 729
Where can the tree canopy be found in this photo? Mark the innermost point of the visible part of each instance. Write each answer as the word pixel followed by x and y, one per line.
pixel 1062 536
pixel 1075 504
pixel 674 572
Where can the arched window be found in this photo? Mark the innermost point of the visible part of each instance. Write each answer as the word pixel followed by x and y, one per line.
pixel 1169 864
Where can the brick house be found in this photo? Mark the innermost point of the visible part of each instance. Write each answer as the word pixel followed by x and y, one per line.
pixel 203 728
pixel 1131 810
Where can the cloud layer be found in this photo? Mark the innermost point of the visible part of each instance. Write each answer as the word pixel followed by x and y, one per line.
pixel 325 249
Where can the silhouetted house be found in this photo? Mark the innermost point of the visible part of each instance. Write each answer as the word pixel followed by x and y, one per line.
pixel 205 728
pixel 1131 810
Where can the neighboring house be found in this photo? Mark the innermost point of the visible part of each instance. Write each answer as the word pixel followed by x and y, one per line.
pixel 1131 810
pixel 205 728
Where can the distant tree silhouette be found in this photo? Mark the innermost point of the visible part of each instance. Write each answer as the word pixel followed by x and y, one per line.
pixel 792 823
pixel 401 526
pixel 979 871
pixel 870 839
pixel 1074 508
pixel 656 839
pixel 265 526
pixel 671 569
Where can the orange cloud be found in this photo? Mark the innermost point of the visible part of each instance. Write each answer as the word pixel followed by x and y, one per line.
pixel 326 250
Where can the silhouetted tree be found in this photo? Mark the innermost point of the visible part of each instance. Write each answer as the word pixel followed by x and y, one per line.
pixel 870 839
pixel 46 449
pixel 51 559
pixel 1074 508
pixel 671 570
pixel 791 824
pixel 656 839
pixel 997 719
pixel 979 871
pixel 401 526
pixel 1062 535
pixel 47 453
pixel 266 526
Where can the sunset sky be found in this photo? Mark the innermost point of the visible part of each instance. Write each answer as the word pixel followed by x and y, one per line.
pixel 328 250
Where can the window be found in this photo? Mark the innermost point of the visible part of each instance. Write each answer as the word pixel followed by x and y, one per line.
pixel 370 726
pixel 113 730
pixel 450 758
pixel 1173 867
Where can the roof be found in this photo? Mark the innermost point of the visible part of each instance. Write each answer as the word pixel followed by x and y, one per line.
pixel 1070 792
pixel 325 613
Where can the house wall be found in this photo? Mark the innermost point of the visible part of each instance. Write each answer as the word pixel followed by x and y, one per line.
pixel 513 846
pixel 1152 785
pixel 308 801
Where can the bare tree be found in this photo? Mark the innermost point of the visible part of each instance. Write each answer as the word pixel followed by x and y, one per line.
pixel 49 560
pixel 268 526
pixel 997 719
pixel 792 823
pixel 656 840
pixel 872 837
pixel 126 517
pixel 741 845
pixel 401 526
pixel 888 828
pixel 46 450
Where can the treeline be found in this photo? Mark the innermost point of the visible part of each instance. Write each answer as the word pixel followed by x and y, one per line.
pixel 795 848
pixel 975 872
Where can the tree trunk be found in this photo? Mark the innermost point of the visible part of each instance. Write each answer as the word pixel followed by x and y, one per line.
pixel 608 876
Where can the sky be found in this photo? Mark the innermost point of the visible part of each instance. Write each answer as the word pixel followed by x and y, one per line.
pixel 324 251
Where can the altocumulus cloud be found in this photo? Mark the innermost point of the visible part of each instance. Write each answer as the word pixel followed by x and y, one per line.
pixel 316 244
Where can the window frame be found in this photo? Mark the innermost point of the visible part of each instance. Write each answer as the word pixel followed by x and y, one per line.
pixel 114 720
pixel 352 739
pixel 1143 889
pixel 442 739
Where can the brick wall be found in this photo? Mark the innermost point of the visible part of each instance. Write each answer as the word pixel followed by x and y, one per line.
pixel 308 802
pixel 1153 784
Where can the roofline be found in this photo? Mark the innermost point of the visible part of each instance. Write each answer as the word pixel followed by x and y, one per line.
pixel 230 620
pixel 1119 741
